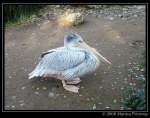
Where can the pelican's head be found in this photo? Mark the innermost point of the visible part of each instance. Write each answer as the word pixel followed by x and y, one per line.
pixel 72 39
pixel 75 40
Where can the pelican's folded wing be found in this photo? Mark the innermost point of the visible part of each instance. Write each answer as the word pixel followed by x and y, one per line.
pixel 62 60
pixel 58 60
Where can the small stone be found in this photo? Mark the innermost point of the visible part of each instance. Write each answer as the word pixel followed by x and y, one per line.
pixel 7 106
pixel 37 88
pixel 119 55
pixel 101 87
pixel 37 93
pixel 130 84
pixel 134 84
pixel 121 108
pixel 115 82
pixel 114 101
pixel 57 95
pixel 129 63
pixel 65 96
pixel 80 95
pixel 22 104
pixel 135 15
pixel 33 87
pixel 142 69
pixel 92 98
pixel 105 72
pixel 13 106
pixel 50 94
pixel 119 73
pixel 13 97
pixel 94 107
pixel 23 87
pixel 110 18
pixel 10 77
pixel 113 46
pixel 44 88
pixel 99 103
pixel 21 101
pixel 122 88
pixel 87 99
pixel 82 87
pixel 107 107
pixel 118 37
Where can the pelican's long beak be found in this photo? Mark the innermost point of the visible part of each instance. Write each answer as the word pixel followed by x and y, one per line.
pixel 84 45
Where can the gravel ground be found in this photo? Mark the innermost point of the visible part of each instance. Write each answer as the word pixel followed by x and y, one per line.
pixel 118 32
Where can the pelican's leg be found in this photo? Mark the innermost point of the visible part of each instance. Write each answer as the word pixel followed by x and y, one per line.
pixel 70 88
pixel 74 81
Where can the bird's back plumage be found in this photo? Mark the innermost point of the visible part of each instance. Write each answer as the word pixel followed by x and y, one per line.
pixel 59 59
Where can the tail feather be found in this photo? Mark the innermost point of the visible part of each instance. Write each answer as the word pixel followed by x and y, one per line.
pixel 36 73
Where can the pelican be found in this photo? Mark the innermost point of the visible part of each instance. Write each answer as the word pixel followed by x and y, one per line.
pixel 69 63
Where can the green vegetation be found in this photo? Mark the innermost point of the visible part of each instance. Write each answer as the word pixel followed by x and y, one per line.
pixel 16 14
pixel 135 98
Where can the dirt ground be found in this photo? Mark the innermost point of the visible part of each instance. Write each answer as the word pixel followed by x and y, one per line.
pixel 101 90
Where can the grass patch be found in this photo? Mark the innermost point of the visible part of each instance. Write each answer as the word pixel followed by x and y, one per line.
pixel 135 98
pixel 18 14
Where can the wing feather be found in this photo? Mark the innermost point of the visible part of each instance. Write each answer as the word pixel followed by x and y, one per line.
pixel 62 60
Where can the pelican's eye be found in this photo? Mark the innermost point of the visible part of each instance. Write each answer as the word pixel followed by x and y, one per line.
pixel 80 41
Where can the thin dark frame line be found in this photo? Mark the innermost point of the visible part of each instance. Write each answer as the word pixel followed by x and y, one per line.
pixel 3 60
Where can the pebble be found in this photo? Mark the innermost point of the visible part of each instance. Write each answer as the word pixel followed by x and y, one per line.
pixel 50 94
pixel 115 82
pixel 142 69
pixel 119 55
pixel 94 107
pixel 7 106
pixel 92 98
pixel 122 88
pixel 37 93
pixel 110 18
pixel 13 106
pixel 14 97
pixel 22 104
pixel 101 87
pixel 105 72
pixel 80 95
pixel 118 37
pixel 82 87
pixel 134 84
pixel 37 88
pixel 88 99
pixel 107 107
pixel 114 101
pixel 100 103
pixel 10 77
pixel 23 87
pixel 44 88
pixel 57 95
pixel 130 84
pixel 65 96
pixel 121 108
pixel 21 101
